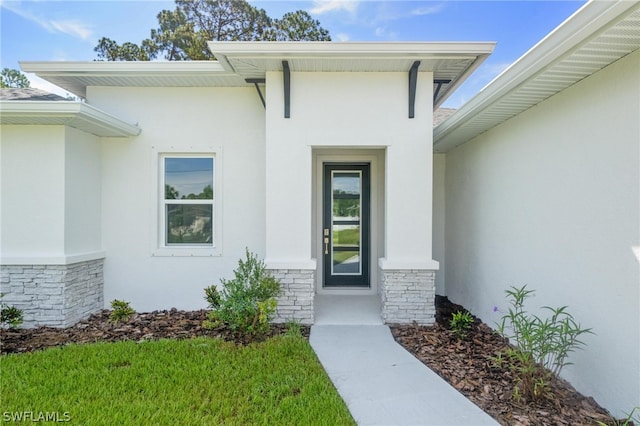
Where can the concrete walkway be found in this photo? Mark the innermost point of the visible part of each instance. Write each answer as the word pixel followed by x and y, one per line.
pixel 383 384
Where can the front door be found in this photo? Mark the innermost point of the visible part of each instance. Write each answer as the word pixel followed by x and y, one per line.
pixel 345 232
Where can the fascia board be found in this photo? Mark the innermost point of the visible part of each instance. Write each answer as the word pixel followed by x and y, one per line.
pixel 74 114
pixel 592 18
pixel 119 68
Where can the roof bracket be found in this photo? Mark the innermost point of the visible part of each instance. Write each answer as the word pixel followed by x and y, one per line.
pixel 286 74
pixel 438 84
pixel 255 82
pixel 413 82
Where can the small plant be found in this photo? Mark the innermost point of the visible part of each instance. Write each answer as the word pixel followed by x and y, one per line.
pixel 247 302
pixel 461 323
pixel 541 345
pixel 10 315
pixel 630 420
pixel 121 311
pixel 294 329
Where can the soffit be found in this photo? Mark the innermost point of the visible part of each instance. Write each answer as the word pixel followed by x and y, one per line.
pixel 238 61
pixel 448 61
pixel 75 77
pixel 606 31
pixel 66 113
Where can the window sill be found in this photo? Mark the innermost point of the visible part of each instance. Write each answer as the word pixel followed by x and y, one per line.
pixel 186 252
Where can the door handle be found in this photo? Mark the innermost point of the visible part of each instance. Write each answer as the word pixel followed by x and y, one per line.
pixel 326 245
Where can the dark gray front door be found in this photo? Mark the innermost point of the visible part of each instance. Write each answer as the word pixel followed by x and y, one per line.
pixel 346 217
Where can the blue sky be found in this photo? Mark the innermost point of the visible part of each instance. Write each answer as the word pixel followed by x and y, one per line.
pixel 68 30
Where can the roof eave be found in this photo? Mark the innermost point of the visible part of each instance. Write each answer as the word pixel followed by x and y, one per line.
pixel 593 17
pixel 73 114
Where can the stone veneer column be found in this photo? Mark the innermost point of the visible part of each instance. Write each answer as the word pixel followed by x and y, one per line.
pixel 54 295
pixel 408 295
pixel 296 300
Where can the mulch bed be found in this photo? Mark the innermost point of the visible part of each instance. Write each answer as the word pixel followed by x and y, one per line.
pixel 171 324
pixel 466 364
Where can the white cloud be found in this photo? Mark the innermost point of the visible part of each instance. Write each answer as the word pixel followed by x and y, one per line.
pixel 382 32
pixel 341 37
pixel 71 27
pixel 325 6
pixel 427 10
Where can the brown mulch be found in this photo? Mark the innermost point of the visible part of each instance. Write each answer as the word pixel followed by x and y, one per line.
pixel 466 364
pixel 171 324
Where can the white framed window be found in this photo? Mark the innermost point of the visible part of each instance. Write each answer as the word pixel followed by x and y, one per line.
pixel 187 204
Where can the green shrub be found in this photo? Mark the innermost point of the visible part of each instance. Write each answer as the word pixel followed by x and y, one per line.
pixel 247 302
pixel 541 345
pixel 121 311
pixel 461 323
pixel 10 315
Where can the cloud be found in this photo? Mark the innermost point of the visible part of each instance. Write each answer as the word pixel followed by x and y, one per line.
pixel 71 27
pixel 382 32
pixel 341 37
pixel 427 10
pixel 324 6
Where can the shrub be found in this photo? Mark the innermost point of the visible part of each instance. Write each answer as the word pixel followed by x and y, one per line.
pixel 247 302
pixel 461 323
pixel 121 311
pixel 10 315
pixel 541 345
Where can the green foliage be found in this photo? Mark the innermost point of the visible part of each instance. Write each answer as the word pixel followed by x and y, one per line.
pixel 10 315
pixel 461 323
pixel 630 420
pixel 10 78
pixel 121 311
pixel 182 34
pixel 541 345
pixel 200 381
pixel 246 302
pixel 294 329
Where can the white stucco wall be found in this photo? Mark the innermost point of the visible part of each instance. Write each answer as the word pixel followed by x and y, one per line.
pixel 439 220
pixel 551 199
pixel 82 193
pixel 358 111
pixel 227 121
pixel 33 193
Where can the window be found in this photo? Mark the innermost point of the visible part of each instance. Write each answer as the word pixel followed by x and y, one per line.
pixel 187 201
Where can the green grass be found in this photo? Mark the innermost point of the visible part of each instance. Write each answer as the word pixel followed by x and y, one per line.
pixel 196 382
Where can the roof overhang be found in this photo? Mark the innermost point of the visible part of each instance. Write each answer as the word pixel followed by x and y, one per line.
pixel 598 34
pixel 73 114
pixel 449 61
pixel 238 62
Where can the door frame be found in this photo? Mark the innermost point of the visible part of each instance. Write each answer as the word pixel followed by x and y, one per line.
pixel 375 159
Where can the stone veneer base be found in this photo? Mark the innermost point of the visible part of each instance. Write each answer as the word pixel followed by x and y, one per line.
pixel 54 295
pixel 408 295
pixel 296 300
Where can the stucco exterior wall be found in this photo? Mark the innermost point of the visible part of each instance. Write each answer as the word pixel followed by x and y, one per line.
pixel 551 199
pixel 350 110
pixel 226 121
pixel 33 188
pixel 439 221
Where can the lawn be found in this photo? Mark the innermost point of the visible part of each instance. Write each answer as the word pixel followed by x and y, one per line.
pixel 195 381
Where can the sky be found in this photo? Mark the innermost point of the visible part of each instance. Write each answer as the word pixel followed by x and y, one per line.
pixel 49 30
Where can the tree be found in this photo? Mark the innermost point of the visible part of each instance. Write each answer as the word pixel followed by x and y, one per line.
pixel 182 34
pixel 299 26
pixel 13 78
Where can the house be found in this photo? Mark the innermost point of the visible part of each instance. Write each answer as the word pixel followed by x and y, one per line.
pixel 317 156
pixel 323 159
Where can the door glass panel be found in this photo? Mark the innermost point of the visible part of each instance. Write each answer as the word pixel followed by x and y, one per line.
pixel 346 262
pixel 346 200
